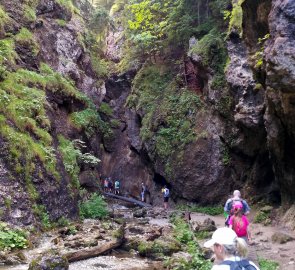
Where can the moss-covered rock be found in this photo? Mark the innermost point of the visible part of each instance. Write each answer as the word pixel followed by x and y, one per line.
pixel 49 262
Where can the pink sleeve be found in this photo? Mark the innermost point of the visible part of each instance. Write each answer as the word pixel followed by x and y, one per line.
pixel 231 220
pixel 246 220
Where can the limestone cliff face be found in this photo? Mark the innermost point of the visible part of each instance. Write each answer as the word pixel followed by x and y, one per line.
pixel 250 145
pixel 280 95
pixel 29 189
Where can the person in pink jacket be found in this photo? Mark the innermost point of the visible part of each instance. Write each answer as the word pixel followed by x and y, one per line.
pixel 240 223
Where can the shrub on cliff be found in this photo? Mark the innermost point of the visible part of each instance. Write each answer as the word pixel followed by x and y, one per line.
pixel 12 239
pixel 95 207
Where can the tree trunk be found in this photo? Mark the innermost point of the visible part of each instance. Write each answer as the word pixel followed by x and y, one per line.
pixel 92 252
pixel 142 204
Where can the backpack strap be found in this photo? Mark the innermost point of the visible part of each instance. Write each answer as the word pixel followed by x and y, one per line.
pixel 246 264
pixel 243 264
pixel 227 263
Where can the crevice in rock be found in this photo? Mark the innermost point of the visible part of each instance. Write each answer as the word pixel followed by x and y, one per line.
pixel 160 180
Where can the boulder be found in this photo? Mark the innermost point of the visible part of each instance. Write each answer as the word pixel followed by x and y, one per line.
pixel 140 213
pixel 266 209
pixel 281 238
pixel 208 225
pixel 49 262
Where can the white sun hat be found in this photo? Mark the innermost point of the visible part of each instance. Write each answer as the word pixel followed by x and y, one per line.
pixel 222 236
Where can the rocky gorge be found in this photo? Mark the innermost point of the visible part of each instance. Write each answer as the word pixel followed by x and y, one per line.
pixel 205 113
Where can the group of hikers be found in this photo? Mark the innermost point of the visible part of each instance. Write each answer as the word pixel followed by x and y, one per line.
pixel 229 243
pixel 145 192
pixel 110 187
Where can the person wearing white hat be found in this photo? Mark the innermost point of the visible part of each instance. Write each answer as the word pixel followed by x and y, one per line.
pixel 230 250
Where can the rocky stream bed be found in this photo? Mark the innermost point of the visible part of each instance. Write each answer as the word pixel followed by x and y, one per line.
pixel 127 241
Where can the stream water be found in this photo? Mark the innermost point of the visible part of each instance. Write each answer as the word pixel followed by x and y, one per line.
pixel 118 259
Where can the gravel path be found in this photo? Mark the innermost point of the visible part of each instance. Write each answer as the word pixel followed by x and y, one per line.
pixel 261 244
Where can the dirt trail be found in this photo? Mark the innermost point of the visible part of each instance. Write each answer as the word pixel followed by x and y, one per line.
pixel 261 244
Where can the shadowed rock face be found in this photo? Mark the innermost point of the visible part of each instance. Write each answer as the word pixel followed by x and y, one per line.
pixel 202 176
pixel 280 95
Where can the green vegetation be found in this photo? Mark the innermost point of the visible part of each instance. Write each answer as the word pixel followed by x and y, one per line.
pixel 105 109
pixel 100 66
pixel 211 49
pixel 156 28
pixel 186 237
pixel 7 52
pixel 225 155
pixel 7 203
pixel 203 235
pixel 90 120
pixel 258 56
pixel 115 123
pixel 119 233
pixel 23 103
pixel 158 248
pixel 156 32
pixel 24 123
pixel 262 217
pixel 40 211
pixel 29 13
pixel 87 119
pixel 3 19
pixel 68 5
pixel 95 207
pixel 26 38
pixel 265 264
pixel 61 23
pixel 62 222
pixel 170 112
pixel 235 18
pixel 11 238
pixel 100 20
pixel 209 210
pixel 71 153
pixel 117 7
pixel 70 160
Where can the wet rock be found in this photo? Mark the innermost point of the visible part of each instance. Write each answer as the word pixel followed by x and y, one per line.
pixel 140 213
pixel 281 238
pixel 49 262
pixel 153 234
pixel 12 258
pixel 178 257
pixel 182 255
pixel 280 110
pixel 208 225
pixel 266 209
pixel 208 253
pixel 143 221
pixel 289 217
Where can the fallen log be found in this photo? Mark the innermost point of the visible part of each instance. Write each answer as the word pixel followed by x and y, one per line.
pixel 87 253
pixel 131 200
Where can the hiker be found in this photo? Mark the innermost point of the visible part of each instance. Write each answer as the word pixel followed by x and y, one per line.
pixel 166 194
pixel 117 187
pixel 236 199
pixel 106 184
pixel 143 191
pixel 239 223
pixel 110 185
pixel 230 250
